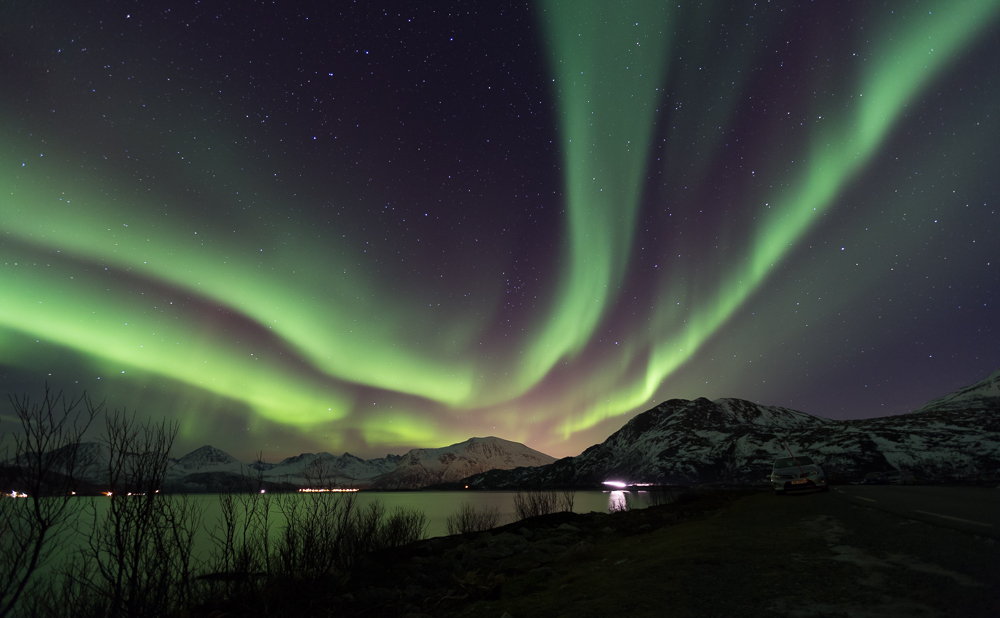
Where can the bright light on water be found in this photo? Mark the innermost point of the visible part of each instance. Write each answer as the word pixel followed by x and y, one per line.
pixel 618 501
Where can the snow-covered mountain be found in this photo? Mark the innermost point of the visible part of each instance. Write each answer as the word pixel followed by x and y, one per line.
pixel 983 396
pixel 677 442
pixel 321 468
pixel 206 458
pixel 208 469
pixel 422 467
pixel 86 460
pixel 731 440
pixel 90 459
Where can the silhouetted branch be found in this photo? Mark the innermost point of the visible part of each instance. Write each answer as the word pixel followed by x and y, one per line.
pixel 45 464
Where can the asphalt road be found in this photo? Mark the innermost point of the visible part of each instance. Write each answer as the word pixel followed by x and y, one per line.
pixel 904 551
pixel 973 510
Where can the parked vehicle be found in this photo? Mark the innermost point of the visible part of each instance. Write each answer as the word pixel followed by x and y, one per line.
pixel 798 473
pixel 899 477
pixel 875 478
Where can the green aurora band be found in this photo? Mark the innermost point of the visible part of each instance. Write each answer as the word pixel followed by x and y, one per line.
pixel 608 63
pixel 905 64
pixel 335 328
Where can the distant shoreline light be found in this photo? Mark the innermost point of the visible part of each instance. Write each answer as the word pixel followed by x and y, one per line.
pixel 622 484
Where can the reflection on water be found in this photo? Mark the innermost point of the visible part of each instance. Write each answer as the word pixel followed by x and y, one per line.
pixel 618 501
pixel 436 505
pixel 439 505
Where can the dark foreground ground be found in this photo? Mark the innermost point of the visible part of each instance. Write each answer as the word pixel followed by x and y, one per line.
pixel 718 553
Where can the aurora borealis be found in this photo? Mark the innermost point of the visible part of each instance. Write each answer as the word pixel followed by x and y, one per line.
pixel 303 227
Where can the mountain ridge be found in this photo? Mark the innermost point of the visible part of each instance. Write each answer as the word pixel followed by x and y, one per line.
pixel 735 441
pixel 679 441
pixel 422 467
pixel 209 469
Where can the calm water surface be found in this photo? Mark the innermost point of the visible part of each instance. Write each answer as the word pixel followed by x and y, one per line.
pixel 439 505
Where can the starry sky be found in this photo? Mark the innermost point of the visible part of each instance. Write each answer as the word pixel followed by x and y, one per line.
pixel 369 227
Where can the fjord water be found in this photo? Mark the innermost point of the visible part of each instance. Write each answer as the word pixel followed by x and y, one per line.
pixel 436 505
pixel 439 505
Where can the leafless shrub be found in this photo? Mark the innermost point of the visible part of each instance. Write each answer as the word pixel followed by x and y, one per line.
pixel 327 533
pixel 568 499
pixel 138 559
pixel 371 528
pixel 45 466
pixel 324 535
pixel 402 527
pixel 534 503
pixel 470 518
pixel 362 534
pixel 317 526
pixel 661 495
pixel 242 537
pixel 319 474
pixel 620 504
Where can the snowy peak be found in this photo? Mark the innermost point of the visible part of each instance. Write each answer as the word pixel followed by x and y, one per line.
pixel 208 469
pixel 89 455
pixel 322 468
pixel 422 467
pixel 681 417
pixel 981 396
pixel 735 441
pixel 492 448
pixel 89 460
pixel 206 456
pixel 742 412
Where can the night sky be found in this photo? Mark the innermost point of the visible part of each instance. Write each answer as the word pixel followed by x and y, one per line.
pixel 370 227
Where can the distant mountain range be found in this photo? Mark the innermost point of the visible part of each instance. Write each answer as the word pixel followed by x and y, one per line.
pixel 736 441
pixel 208 469
pixel 677 442
pixel 423 467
